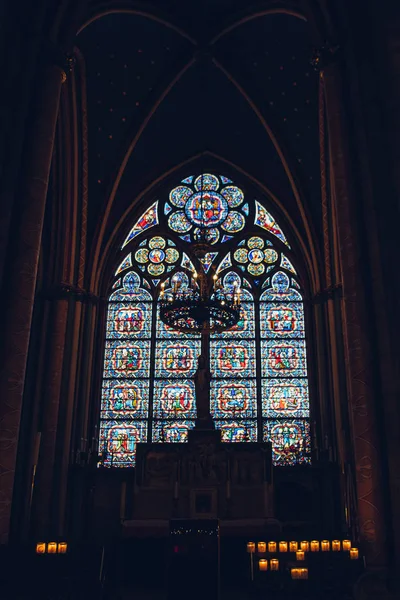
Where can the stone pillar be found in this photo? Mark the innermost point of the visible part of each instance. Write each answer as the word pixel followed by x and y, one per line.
pixel 22 272
pixel 359 358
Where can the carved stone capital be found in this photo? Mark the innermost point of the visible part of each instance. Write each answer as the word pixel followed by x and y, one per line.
pixel 65 290
pixel 327 294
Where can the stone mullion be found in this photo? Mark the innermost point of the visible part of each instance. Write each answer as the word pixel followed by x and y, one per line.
pixel 359 359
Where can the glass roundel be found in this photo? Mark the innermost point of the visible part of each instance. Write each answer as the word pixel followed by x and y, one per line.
pixel 257 254
pixel 154 257
pixel 206 203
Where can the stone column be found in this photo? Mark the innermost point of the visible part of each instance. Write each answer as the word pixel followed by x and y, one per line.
pixel 359 358
pixel 22 272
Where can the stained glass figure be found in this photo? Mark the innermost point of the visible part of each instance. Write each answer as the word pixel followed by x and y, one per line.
pixel 125 399
pixel 265 220
pixel 148 219
pixel 234 222
pixel 128 320
pixel 206 182
pixel 206 209
pixel 177 358
pixel 171 432
pixel 179 195
pixel 233 399
pixel 234 358
pixel 179 223
pixel 237 431
pixel 125 264
pixel 118 441
pixel 233 195
pixel 174 400
pixel 283 358
pixel 290 441
pixel 286 264
pixel 285 398
pixel 207 260
pixel 278 319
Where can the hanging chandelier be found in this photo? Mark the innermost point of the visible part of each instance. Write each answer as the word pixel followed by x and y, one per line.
pixel 204 305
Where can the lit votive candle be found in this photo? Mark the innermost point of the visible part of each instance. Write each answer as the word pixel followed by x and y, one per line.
pixel 354 553
pixel 314 545
pixel 52 547
pixel 261 547
pixel 300 555
pixel 325 545
pixel 251 547
pixel 335 546
pixel 271 546
pixel 62 548
pixel 293 546
pixel 274 564
pixel 263 564
pixel 305 546
pixel 282 546
pixel 303 573
pixel 346 545
pixel 295 573
pixel 40 548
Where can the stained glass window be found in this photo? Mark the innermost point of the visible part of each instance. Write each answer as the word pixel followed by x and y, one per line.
pixel 259 386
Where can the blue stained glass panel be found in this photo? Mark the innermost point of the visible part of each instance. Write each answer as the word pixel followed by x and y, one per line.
pixel 232 358
pixel 177 358
pixel 233 399
pixel 125 399
pixel 116 283
pixel 171 431
pixel 147 220
pixel 174 400
pixel 130 292
pixel 285 398
pixel 127 359
pixel 125 264
pixel 283 358
pixel 118 441
pixel 225 179
pixel 237 431
pixel 129 320
pixel 245 326
pixel 290 440
pixel 282 320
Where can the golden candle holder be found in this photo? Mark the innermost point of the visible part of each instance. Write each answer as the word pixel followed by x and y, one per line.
pixel 354 554
pixel 335 546
pixel 272 546
pixel 293 546
pixel 52 548
pixel 251 547
pixel 283 546
pixel 261 547
pixel 274 564
pixel 325 545
pixel 300 555
pixel 346 545
pixel 263 564
pixel 314 545
pixel 305 546
pixel 41 548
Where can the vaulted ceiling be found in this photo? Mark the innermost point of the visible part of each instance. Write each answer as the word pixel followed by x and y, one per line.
pixel 165 87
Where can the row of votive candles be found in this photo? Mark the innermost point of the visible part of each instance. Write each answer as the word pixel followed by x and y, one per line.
pixel 301 547
pixel 51 548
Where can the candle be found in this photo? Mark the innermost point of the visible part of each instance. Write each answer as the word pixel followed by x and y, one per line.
pixel 300 555
pixel 274 563
pixel 271 546
pixel 282 546
pixel 303 574
pixel 263 564
pixel 261 547
pixel 251 547
pixel 52 547
pixel 40 548
pixel 314 546
pixel 346 545
pixel 62 548
pixel 293 546
pixel 305 546
pixel 354 553
pixel 335 545
pixel 325 546
pixel 295 573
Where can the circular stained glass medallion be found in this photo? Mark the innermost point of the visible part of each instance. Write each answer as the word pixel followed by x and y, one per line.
pixel 157 242
pixel 256 256
pixel 155 269
pixel 142 255
pixel 156 256
pixel 179 195
pixel 270 255
pixel 206 182
pixel 234 222
pixel 256 269
pixel 171 255
pixel 241 255
pixel 255 242
pixel 179 223
pixel 233 195
pixel 206 209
